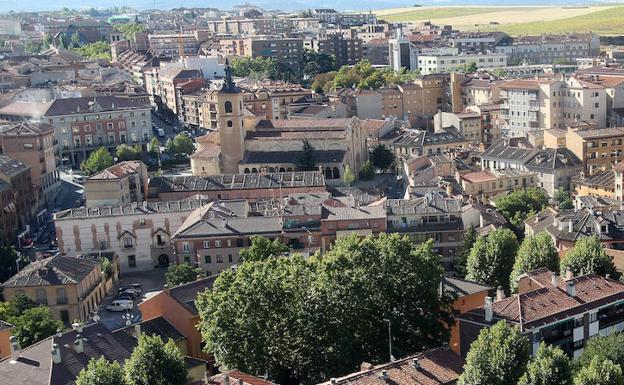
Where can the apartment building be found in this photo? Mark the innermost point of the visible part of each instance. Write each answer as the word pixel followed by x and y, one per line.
pixel 436 64
pixel 71 287
pixel 473 42
pixel 599 184
pixel 555 169
pixel 538 104
pixel 550 49
pixel 468 123
pixel 174 82
pixel 138 234
pixel 432 216
pixel 423 98
pixel 597 148
pixel 560 311
pixel 33 144
pixel 121 184
pixel 262 25
pixel 492 183
pixel 171 44
pixel 412 143
pixel 285 50
pixel 346 51
pixel 18 200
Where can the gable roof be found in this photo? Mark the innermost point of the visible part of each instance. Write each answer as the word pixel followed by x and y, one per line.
pixel 187 293
pixel 57 270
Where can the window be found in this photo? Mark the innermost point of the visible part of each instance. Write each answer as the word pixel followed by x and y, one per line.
pixel 206 244
pixel 230 258
pixel 219 258
pixel 229 123
pixel 217 243
pixel 593 317
pixel 578 322
pixel 228 107
pixel 187 259
pixel 186 247
pixel 229 243
pixel 207 259
pixel 65 316
pixel 131 261
pixel 41 297
pixel 127 242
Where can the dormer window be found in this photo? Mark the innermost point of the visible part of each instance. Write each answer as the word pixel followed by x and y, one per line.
pixel 127 242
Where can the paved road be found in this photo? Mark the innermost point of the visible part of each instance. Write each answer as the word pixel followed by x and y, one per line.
pixel 169 128
pixel 152 281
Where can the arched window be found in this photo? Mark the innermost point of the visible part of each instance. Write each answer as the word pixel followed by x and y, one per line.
pixel 229 123
pixel 336 173
pixel 254 170
pixel 271 169
pixel 246 170
pixel 228 107
pixel 328 173
pixel 282 169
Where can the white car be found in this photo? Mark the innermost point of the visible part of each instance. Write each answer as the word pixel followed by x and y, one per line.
pixel 161 132
pixel 120 305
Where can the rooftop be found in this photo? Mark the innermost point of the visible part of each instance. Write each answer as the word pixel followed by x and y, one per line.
pixel 134 209
pixel 52 271
pixel 117 171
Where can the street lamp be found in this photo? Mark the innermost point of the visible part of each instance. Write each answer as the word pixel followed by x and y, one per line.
pixel 389 339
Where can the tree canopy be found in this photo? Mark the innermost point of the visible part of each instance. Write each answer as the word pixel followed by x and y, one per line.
pixel 262 248
pixel 609 347
pixel 182 144
pixel 461 257
pixel 550 366
pixel 99 160
pixel 183 273
pixel 130 29
pixel 362 76
pixel 562 197
pixel 303 320
pixel 518 205
pixel 256 68
pixel 125 152
pixel 382 157
pixel 154 362
pixel 348 177
pixel 317 63
pixel 535 252
pixel 99 371
pixel 307 160
pixel 97 50
pixel 499 356
pixel 599 372
pixel 33 325
pixel 8 260
pixel 588 256
pixel 491 259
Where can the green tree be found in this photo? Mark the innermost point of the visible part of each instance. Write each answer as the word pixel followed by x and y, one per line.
pixel 468 68
pixel 382 157
pixel 461 257
pixel 535 252
pixel 256 68
pixel 368 171
pixel 609 347
pixel 130 29
pixel 302 320
pixel 348 177
pixel 182 144
pixel 8 260
pixel 588 256
pixel 315 63
pixel 75 40
pixel 550 366
pixel 32 47
pixel 492 257
pixel 15 307
pixel 499 356
pixel 306 161
pixel 183 273
pixel 153 146
pixel 562 197
pixel 323 82
pixel 262 248
pixel 99 160
pixel 125 152
pixel 33 325
pixel 599 373
pixel 154 362
pixel 99 371
pixel 518 205
pixel 97 50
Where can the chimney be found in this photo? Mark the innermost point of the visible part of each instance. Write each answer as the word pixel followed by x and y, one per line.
pixel 77 326
pixel 500 293
pixel 333 381
pixel 366 366
pixel 15 348
pixel 554 279
pixel 383 375
pixel 569 274
pixel 415 363
pixel 79 344
pixel 56 354
pixel 571 289
pixel 570 226
pixel 137 330
pixel 488 309
pixel 226 379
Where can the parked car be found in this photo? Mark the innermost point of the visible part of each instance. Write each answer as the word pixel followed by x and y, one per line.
pixel 138 287
pixel 161 132
pixel 120 305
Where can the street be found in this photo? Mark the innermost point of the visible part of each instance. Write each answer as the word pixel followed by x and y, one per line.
pixel 169 128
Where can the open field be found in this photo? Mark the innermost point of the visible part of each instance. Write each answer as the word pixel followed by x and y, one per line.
pixel 608 20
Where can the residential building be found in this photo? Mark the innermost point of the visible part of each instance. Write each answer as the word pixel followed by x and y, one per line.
pixel 342 219
pixel 554 169
pixel 490 122
pixel 33 144
pixel 402 54
pixel 439 366
pixel 252 186
pixel 176 305
pixel 285 50
pixel 599 184
pixel 240 377
pixel 377 51
pixel 174 44
pixel 173 82
pixel 413 143
pixel 438 63
pixel 432 216
pixel 82 125
pixel 549 48
pixel 71 287
pixel 18 201
pixel 423 98
pixel 564 312
pixel 346 51
pixel 138 234
pixel 492 183
pixel 480 42
pixel 88 30
pixel 597 148
pixel 469 124
pixel 121 184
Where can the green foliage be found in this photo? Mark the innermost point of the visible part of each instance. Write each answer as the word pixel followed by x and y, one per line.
pixel 99 160
pixel 262 248
pixel 256 68
pixel 99 371
pixel 323 82
pixel 155 363
pixel 303 320
pixel 588 256
pixel 368 171
pixel 604 348
pixel 181 144
pixel 550 366
pixel 33 325
pixel 307 160
pixel 461 257
pixel 32 47
pixel 535 252
pixel 599 373
pixel 518 205
pixel 125 152
pixel 183 273
pixel 364 76
pixel 8 258
pixel 153 146
pixel 15 307
pixel 562 197
pixel 75 40
pixel 492 257
pixel 382 157
pixel 348 177
pixel 107 267
pixel 317 63
pixel 97 50
pixel 467 68
pixel 499 356
pixel 129 29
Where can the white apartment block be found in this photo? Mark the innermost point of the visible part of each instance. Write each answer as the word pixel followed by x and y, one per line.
pixel 434 64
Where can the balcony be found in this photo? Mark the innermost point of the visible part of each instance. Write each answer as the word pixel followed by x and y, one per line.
pixel 611 316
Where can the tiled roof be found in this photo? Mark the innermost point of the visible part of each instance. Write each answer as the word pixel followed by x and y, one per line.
pixel 135 209
pixel 595 133
pixel 12 167
pixel 428 204
pixel 27 128
pixel 303 124
pixel 287 157
pixel 339 213
pixel 24 108
pixel 117 171
pixel 94 104
pixel 231 376
pixel 604 179
pixel 587 223
pixel 553 159
pixel 547 303
pixel 187 293
pixel 434 367
pixel 156 326
pixel 57 270
pixel 508 152
pixel 32 367
pixel 463 287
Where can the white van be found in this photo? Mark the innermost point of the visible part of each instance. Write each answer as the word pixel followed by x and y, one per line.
pixel 120 305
